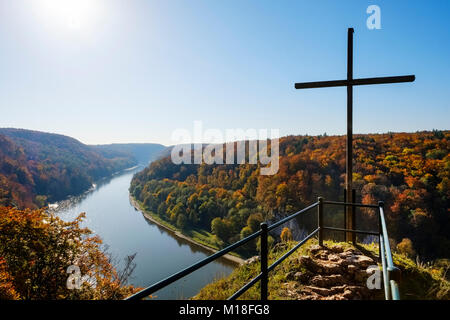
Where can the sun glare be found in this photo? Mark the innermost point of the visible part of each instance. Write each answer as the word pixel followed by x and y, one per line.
pixel 72 14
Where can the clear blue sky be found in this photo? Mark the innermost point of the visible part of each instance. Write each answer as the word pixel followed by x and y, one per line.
pixel 107 71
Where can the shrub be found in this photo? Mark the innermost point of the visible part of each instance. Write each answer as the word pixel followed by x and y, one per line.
pixel 286 235
pixel 406 247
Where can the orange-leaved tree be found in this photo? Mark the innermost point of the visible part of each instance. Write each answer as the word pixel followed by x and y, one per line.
pixel 36 250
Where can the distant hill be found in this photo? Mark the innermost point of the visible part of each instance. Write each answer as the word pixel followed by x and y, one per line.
pixel 143 153
pixel 37 167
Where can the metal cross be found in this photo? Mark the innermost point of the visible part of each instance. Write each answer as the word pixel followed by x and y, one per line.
pixel 349 83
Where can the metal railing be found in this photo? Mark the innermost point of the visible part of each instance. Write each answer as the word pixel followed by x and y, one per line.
pixel 391 274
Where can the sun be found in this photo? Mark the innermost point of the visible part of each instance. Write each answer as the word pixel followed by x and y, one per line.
pixel 72 14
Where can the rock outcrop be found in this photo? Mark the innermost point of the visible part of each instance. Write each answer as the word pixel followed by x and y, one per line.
pixel 333 273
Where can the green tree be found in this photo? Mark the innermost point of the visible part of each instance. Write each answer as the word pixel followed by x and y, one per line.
pixel 245 232
pixel 181 221
pixel 221 229
pixel 254 221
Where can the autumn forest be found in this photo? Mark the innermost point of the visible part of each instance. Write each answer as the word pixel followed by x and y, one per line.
pixel 410 172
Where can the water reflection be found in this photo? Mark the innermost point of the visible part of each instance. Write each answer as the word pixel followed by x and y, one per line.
pixel 192 246
pixel 74 201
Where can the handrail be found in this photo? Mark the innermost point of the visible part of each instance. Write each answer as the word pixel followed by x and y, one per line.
pixel 383 264
pixel 292 216
pixel 387 247
pixel 361 205
pixel 373 233
pixel 287 254
pixel 247 286
pixel 391 274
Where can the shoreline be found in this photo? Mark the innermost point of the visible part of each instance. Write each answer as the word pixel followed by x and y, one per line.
pixel 177 233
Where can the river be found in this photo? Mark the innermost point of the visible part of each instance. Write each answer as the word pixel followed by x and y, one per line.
pixel 124 229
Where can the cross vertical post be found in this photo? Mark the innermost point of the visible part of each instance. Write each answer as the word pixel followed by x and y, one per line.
pixel 349 216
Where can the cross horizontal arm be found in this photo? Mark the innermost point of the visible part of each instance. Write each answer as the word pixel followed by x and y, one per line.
pixel 354 82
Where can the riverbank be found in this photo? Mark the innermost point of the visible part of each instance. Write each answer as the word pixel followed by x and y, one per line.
pixel 154 219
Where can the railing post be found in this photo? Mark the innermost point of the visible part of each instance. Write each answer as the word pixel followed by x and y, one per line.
pixel 264 260
pixel 320 220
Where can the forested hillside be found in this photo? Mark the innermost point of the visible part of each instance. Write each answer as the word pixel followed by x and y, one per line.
pixel 410 172
pixel 37 167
